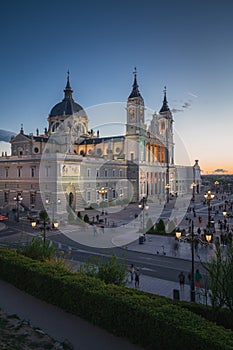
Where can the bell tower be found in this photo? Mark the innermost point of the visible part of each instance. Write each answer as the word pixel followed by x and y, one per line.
pixel 165 128
pixel 135 111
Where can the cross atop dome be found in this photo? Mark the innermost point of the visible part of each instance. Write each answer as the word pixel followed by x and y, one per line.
pixel 68 90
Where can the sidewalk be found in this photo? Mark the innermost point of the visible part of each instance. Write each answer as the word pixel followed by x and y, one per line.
pixel 57 323
pixel 169 246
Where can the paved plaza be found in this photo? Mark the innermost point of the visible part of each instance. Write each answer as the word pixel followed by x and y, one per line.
pixel 62 326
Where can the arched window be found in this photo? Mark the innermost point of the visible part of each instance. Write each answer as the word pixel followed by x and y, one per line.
pixel 71 200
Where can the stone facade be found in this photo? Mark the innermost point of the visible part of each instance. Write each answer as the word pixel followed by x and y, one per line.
pixel 69 166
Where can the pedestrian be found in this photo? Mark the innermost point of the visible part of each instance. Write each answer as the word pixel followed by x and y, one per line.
pixel 132 272
pixel 94 230
pixel 190 279
pixel 198 278
pixel 182 280
pixel 136 278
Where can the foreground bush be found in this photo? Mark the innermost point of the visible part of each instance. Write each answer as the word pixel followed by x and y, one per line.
pixel 155 323
pixel 38 249
pixel 111 271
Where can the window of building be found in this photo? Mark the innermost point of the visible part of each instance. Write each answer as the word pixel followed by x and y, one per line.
pixel 113 172
pixel 32 172
pixel 88 172
pixel 36 150
pixel 132 156
pixel 88 196
pixel 47 171
pixel 106 172
pixel 19 170
pixel 113 193
pixel 6 172
pixel 120 173
pixel 97 172
pixel 32 198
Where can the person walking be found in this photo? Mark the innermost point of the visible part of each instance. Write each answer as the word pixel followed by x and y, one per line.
pixel 132 272
pixel 198 278
pixel 182 280
pixel 94 230
pixel 136 278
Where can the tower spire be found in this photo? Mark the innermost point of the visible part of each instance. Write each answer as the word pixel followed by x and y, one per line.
pixel 165 107
pixel 68 91
pixel 135 91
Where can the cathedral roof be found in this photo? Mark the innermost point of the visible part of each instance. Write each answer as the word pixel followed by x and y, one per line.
pixel 135 91
pixel 165 107
pixel 67 106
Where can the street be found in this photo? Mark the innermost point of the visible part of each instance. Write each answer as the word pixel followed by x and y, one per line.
pixel 157 257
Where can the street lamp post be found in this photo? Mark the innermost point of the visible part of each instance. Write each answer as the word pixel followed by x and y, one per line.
pixel 209 196
pixel 102 191
pixel 52 203
pixel 193 186
pixel 44 218
pixel 143 206
pixel 216 186
pixel 18 198
pixel 167 191
pixel 193 239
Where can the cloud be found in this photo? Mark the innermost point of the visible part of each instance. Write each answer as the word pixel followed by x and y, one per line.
pixel 176 110
pixel 186 105
pixel 220 171
pixel 193 95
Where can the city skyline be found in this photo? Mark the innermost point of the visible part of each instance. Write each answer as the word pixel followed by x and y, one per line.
pixel 186 49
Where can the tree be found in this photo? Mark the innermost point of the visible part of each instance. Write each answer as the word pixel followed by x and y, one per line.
pixel 160 226
pixel 111 271
pixel 79 215
pixel 38 250
pixel 221 278
pixel 86 218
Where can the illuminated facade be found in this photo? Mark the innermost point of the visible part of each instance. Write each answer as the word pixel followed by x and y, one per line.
pixel 68 165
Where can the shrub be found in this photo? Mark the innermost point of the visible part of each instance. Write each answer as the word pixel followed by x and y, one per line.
pixel 111 271
pixel 86 218
pixel 79 215
pixel 160 226
pixel 38 249
pixel 153 322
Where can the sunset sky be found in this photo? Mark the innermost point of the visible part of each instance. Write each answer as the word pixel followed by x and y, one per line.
pixel 185 45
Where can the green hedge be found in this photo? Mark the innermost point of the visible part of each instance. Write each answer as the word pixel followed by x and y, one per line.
pixel 222 317
pixel 154 323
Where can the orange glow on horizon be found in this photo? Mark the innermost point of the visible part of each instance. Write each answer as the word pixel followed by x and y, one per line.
pixel 211 170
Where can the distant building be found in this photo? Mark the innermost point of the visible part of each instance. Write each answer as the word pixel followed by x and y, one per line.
pixel 70 166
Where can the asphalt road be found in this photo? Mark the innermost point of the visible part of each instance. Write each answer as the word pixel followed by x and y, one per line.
pixel 159 266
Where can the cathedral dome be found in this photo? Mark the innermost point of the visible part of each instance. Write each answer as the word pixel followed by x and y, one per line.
pixel 67 106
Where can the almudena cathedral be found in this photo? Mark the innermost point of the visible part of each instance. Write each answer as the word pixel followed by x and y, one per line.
pixel 73 167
